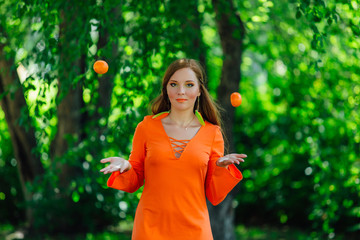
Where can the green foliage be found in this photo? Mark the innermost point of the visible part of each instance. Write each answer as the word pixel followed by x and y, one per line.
pixel 265 232
pixel 298 122
pixel 322 14
pixel 49 40
pixel 10 191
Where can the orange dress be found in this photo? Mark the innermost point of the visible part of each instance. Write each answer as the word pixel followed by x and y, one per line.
pixel 173 203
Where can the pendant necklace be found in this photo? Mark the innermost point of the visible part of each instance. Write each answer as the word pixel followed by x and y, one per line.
pixel 187 125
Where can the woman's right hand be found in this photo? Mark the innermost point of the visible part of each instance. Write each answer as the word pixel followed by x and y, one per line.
pixel 116 164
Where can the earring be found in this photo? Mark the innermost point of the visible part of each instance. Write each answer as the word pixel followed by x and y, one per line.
pixel 198 103
pixel 197 114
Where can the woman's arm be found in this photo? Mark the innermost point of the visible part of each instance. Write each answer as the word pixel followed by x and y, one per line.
pixel 126 175
pixel 222 175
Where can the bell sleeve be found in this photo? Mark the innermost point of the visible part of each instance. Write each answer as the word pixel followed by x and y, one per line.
pixel 219 181
pixel 133 179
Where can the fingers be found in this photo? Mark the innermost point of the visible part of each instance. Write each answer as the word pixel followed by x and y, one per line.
pixel 110 169
pixel 233 161
pixel 233 158
pixel 224 161
pixel 105 160
pixel 107 169
pixel 237 155
pixel 116 164
pixel 122 168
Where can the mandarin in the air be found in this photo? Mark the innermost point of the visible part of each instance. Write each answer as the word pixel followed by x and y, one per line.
pixel 101 67
pixel 235 99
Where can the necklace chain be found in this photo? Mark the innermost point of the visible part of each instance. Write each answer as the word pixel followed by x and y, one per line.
pixel 187 125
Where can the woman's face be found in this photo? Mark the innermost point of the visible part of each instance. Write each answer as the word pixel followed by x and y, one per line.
pixel 183 88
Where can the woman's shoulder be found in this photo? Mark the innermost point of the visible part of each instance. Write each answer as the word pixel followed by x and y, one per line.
pixel 214 133
pixel 144 125
pixel 149 126
pixel 148 119
pixel 145 120
pixel 155 117
pixel 212 126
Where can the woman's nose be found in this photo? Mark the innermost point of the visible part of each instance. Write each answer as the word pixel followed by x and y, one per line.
pixel 181 90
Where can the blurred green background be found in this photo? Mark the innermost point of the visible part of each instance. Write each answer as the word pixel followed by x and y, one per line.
pixel 298 123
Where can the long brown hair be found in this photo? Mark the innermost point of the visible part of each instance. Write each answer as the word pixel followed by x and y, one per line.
pixel 207 107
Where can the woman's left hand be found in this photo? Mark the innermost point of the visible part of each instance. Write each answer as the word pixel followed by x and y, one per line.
pixel 229 159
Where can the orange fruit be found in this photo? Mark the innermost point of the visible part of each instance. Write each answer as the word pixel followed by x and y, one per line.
pixel 100 67
pixel 235 99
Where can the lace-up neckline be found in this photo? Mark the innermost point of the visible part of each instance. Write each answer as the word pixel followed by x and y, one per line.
pixel 178 146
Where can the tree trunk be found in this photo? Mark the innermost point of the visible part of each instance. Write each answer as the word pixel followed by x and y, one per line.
pixel 21 131
pixel 69 99
pixel 197 46
pixel 106 82
pixel 232 32
pixel 189 26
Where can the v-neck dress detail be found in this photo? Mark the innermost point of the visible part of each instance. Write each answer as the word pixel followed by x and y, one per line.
pixel 171 140
pixel 173 202
pixel 178 146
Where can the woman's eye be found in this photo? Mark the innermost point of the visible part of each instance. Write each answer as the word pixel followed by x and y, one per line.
pixel 173 84
pixel 189 85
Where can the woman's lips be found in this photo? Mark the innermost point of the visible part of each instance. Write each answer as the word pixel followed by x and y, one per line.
pixel 181 100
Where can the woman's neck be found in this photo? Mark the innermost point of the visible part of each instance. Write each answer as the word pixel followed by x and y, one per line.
pixel 181 118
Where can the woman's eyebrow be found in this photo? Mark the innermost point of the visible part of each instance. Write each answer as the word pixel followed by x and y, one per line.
pixel 174 80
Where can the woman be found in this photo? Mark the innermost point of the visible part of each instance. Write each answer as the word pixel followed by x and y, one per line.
pixel 179 154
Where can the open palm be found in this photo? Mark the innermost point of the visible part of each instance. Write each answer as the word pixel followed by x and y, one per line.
pixel 116 164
